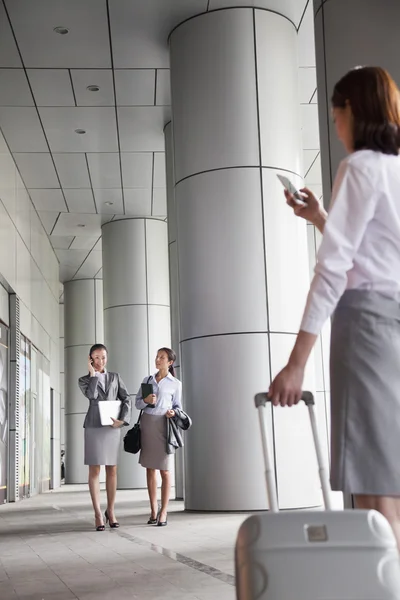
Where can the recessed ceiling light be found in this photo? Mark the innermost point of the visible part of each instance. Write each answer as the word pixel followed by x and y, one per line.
pixel 80 131
pixel 93 88
pixel 81 225
pixel 61 30
pixel 108 203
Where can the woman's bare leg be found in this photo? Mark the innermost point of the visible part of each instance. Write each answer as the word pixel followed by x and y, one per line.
pixel 389 506
pixel 111 487
pixel 94 488
pixel 165 492
pixel 151 476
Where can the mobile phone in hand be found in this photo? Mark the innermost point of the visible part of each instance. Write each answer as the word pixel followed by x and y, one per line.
pixel 298 198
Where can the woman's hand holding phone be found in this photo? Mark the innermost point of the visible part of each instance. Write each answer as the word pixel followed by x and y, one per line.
pixel 92 371
pixel 311 211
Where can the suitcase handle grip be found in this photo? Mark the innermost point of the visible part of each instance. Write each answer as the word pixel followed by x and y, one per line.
pixel 261 401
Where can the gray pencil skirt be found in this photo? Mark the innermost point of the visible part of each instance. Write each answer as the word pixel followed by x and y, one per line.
pixel 102 445
pixel 153 454
pixel 365 395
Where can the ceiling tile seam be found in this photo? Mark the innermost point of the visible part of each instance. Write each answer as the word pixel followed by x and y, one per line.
pixel 52 229
pixel 87 69
pixel 208 6
pixel 85 259
pixel 95 275
pixel 91 183
pixel 115 101
pixel 73 239
pixel 152 183
pixel 311 102
pixel 303 15
pixel 35 105
pixel 155 86
pixel 72 86
pixel 312 164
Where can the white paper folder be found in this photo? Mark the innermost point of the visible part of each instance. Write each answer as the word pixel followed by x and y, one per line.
pixel 109 409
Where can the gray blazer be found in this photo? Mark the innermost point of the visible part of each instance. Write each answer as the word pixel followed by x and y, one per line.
pixel 115 390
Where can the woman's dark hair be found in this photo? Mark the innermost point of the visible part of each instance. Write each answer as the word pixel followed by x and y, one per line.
pixel 374 99
pixel 97 347
pixel 171 357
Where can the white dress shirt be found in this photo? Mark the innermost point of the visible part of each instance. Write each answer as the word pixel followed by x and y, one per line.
pixel 102 378
pixel 360 248
pixel 168 395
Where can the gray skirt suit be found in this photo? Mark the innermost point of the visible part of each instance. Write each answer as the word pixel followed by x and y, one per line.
pixel 102 442
pixel 365 394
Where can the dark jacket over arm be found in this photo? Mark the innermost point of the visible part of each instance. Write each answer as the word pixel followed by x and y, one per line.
pixel 115 390
pixel 180 422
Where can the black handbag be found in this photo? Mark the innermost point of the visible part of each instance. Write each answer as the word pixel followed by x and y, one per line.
pixel 132 442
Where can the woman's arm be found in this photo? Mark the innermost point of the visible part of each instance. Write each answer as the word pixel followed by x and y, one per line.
pixel 123 395
pixel 88 386
pixel 177 397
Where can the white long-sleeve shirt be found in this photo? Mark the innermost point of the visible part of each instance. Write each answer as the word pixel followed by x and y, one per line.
pixel 168 395
pixel 360 248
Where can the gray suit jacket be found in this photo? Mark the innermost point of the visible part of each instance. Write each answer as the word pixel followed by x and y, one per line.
pixel 115 390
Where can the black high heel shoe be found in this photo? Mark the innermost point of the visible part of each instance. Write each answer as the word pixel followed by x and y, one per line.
pixel 114 525
pixel 162 523
pixel 100 527
pixel 154 521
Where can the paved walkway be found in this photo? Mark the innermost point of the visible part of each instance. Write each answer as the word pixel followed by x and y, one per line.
pixel 50 551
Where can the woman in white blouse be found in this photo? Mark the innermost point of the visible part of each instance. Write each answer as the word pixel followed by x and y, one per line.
pixel 358 276
pixel 157 408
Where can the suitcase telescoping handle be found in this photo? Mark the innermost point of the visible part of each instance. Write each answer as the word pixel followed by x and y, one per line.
pixel 308 398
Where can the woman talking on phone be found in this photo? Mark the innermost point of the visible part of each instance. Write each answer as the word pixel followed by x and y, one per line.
pixel 102 442
pixel 157 407
pixel 358 276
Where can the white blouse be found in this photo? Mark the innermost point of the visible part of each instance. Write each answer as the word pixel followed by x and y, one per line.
pixel 360 248
pixel 168 395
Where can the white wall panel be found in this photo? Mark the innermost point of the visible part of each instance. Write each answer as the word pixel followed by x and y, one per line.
pixel 221 253
pixel 214 138
pixel 157 262
pixel 279 111
pixel 287 257
pixel 212 481
pixel 4 306
pixel 124 238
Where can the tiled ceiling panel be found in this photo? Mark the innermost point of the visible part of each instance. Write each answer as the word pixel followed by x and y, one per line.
pixel 37 170
pixel 83 79
pixel 22 129
pixel 61 125
pixel 9 56
pixel 51 87
pixel 135 87
pixel 85 45
pixel 105 170
pixel 14 88
pixel 163 96
pixel 138 202
pixel 109 202
pixel 72 170
pixel 48 200
pixel 137 169
pixel 80 201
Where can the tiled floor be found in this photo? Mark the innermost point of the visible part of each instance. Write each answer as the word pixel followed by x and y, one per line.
pixel 50 551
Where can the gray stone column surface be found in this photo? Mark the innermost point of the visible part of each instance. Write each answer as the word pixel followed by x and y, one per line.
pixel 243 264
pixel 83 313
pixel 350 34
pixel 136 311
pixel 173 286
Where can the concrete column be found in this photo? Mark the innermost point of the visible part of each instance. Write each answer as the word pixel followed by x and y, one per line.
pixel 136 311
pixel 348 34
pixel 173 286
pixel 83 310
pixel 243 265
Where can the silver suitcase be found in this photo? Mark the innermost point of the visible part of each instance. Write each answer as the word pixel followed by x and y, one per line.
pixel 314 555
